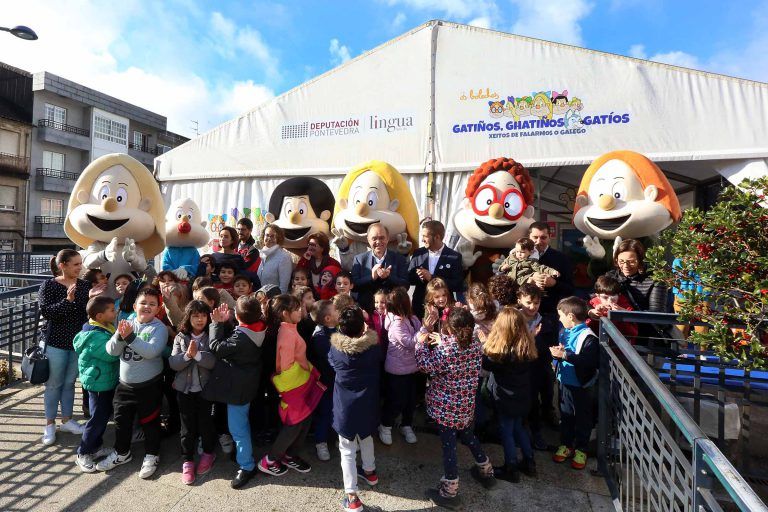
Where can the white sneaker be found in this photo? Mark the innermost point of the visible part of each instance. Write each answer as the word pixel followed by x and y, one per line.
pixel 227 445
pixel 85 463
pixel 49 434
pixel 322 452
pixel 410 435
pixel 113 460
pixel 385 434
pixel 102 452
pixel 138 435
pixel 72 427
pixel 149 466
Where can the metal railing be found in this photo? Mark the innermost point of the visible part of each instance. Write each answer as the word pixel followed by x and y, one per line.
pixel 25 263
pixel 19 163
pixel 47 219
pixel 144 149
pixel 56 173
pixel 63 127
pixel 20 323
pixel 653 455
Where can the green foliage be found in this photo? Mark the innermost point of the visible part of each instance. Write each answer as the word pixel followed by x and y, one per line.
pixel 725 249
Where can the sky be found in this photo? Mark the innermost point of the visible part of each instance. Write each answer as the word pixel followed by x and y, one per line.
pixel 207 62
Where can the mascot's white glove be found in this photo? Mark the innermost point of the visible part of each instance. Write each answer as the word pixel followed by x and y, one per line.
pixel 111 250
pixel 403 245
pixel 181 273
pixel 468 256
pixel 339 240
pixel 594 248
pixel 129 250
pixel 616 244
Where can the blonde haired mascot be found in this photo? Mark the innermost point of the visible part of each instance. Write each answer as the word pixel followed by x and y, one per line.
pixel 374 192
pixel 184 233
pixel 117 214
pixel 622 195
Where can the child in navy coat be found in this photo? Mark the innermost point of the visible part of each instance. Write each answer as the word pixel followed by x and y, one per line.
pixel 355 357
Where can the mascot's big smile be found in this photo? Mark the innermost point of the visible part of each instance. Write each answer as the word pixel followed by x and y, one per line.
pixel 360 227
pixel 106 224
pixel 492 229
pixel 609 224
pixel 296 234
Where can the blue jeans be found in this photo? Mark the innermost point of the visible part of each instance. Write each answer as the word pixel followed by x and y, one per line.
pixel 100 405
pixel 323 417
pixel 240 428
pixel 60 388
pixel 514 434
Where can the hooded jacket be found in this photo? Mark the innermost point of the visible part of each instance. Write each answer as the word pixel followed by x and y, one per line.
pixel 185 368
pixel 401 351
pixel 235 377
pixel 357 364
pixel 98 370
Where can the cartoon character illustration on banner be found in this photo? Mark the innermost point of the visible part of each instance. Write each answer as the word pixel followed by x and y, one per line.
pixel 370 193
pixel 497 210
pixel 116 213
pixel 215 223
pixel 522 107
pixel 496 108
pixel 542 106
pixel 301 206
pixel 184 233
pixel 559 102
pixel 622 195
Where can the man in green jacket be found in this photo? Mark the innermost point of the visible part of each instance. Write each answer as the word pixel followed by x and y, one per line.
pixel 98 375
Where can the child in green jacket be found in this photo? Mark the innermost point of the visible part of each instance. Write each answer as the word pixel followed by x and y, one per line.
pixel 98 375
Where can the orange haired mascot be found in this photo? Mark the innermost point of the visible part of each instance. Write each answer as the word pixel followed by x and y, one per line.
pixel 497 210
pixel 622 195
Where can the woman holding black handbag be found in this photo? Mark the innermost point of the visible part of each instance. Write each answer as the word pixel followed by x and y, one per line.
pixel 62 303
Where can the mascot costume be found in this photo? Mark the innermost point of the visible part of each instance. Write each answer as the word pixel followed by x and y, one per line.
pixel 116 212
pixel 622 195
pixel 184 233
pixel 496 211
pixel 374 192
pixel 301 207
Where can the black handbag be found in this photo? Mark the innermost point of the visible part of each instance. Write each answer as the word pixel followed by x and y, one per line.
pixel 34 365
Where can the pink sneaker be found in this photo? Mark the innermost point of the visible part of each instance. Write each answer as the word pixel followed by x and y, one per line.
pixel 188 473
pixel 206 463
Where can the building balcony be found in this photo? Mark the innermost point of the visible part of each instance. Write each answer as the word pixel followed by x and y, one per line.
pixel 48 227
pixel 54 180
pixel 63 134
pixel 144 154
pixel 14 165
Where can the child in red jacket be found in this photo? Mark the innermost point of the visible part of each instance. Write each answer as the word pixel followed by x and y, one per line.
pixel 609 297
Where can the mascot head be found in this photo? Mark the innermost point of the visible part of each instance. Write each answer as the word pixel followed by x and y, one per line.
pixel 184 225
pixel 497 208
pixel 116 196
pixel 301 207
pixel 376 192
pixel 624 194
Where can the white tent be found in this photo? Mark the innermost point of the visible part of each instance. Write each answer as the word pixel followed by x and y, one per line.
pixel 422 102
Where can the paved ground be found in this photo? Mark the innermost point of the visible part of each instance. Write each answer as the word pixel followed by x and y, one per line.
pixel 38 478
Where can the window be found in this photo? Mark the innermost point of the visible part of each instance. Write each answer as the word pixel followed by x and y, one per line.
pixel 113 131
pixel 8 198
pixel 9 142
pixel 140 140
pixel 51 207
pixel 53 160
pixel 162 148
pixel 6 245
pixel 55 113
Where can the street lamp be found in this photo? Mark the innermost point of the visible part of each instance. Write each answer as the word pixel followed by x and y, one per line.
pixel 21 32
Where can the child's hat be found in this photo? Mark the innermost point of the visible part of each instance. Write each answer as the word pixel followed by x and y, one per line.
pixel 332 269
pixel 270 290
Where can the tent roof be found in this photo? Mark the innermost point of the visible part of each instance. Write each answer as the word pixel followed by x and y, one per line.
pixel 421 102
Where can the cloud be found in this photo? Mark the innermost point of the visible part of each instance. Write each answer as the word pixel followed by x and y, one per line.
pixel 482 22
pixel 398 22
pixel 457 9
pixel 553 20
pixel 674 58
pixel 150 55
pixel 339 52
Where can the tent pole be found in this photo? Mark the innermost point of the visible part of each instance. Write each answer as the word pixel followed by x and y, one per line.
pixel 429 207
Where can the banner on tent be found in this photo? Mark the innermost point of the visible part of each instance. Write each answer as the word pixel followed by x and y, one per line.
pixel 375 123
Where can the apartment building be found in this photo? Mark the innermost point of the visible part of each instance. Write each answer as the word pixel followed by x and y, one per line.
pixel 15 138
pixel 75 125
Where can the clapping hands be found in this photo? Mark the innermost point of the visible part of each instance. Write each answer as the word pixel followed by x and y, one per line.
pixel 221 314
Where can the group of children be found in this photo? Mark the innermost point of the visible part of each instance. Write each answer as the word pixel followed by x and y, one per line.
pixel 235 361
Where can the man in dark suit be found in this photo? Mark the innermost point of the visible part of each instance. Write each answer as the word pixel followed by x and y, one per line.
pixel 435 259
pixel 554 288
pixel 378 268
